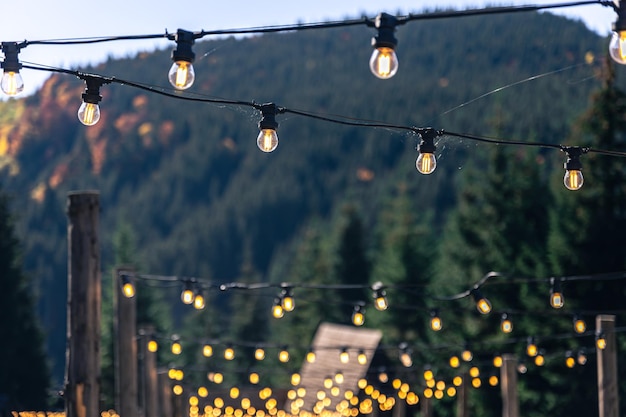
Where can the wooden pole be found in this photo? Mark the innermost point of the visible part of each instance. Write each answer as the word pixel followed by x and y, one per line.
pixel 82 372
pixel 125 348
pixel 608 399
pixel 165 395
pixel 149 374
pixel 427 407
pixel 461 404
pixel 508 383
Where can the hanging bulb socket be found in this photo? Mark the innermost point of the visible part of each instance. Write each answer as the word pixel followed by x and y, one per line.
pixel 11 82
pixel 384 62
pixel 426 161
pixel 573 179
pixel 89 111
pixel 358 315
pixel 267 141
pixel 182 74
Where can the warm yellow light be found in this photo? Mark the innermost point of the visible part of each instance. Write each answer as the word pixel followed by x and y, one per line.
pixel 234 392
pixel 310 357
pixel 428 393
pixel 474 372
pixel 267 141
pixel 431 383
pixel 383 377
pixel 476 382
pixel 454 362
pixel 128 289
pixel 229 354
pixel 570 362
pixel 358 318
pixel 295 379
pixel 506 325
pixel 362 383
pixel 451 391
pixel 467 355
pixel 181 75
pixel 328 382
pixel 531 349
pixel 12 83
pixel 207 351
pixel 259 354
pixel 497 361
pixel 89 113
pixel 344 356
pixel 381 303
pixel 405 359
pixel 438 394
pixel 556 299
pixel 187 296
pixel 573 179
pixel 288 303
pixel 384 62
pixel 428 374
pixel 540 360
pixel 203 392
pixel 581 358
pixel 483 305
pixel 601 342
pixel 193 400
pixel 177 389
pixel 339 378
pixel 579 325
pixel 278 311
pixel 153 346
pixel 176 348
pixel 441 385
pixel 457 381
pixel 254 378
pixel 218 402
pixel 283 356
pixel 361 358
pixel 245 403
pixel 426 163
pixel 493 380
pixel 198 301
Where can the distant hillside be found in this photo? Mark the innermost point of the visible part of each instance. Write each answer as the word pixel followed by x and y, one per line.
pixel 199 196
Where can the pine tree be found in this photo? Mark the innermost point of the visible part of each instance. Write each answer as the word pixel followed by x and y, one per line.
pixel 24 379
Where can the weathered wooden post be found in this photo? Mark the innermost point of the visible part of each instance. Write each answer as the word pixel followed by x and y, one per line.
pixel 508 383
pixel 608 398
pixel 149 373
pixel 82 372
pixel 461 404
pixel 165 395
pixel 125 347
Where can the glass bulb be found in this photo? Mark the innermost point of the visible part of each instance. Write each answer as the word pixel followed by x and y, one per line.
pixel 435 323
pixel 12 83
pixel 506 324
pixel 405 359
pixel 467 355
pixel 187 296
pixel 483 306
pixel 573 179
pixel 362 358
pixel 278 311
pixel 153 346
pixel 454 362
pixel 295 379
pixel 181 75
pixel 531 350
pixel 579 325
pixel 207 351
pixel 344 357
pixel 498 361
pixel 601 343
pixel 198 302
pixel 556 300
pixel 358 319
pixel 426 163
pixel 267 141
pixel 288 303
pixel 381 303
pixel 384 62
pixel 128 289
pixel 89 113
pixel 283 356
pixel 177 348
pixel 259 354
pixel 617 47
pixel 229 354
pixel 570 362
pixel 310 357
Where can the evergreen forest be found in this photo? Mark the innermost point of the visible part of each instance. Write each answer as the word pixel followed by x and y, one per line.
pixel 185 192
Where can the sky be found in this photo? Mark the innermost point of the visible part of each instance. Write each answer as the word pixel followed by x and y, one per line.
pixel 44 19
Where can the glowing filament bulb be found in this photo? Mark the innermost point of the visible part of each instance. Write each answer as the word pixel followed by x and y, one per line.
pixel 531 348
pixel 344 356
pixel 617 47
pixel 153 346
pixel 283 356
pixel 177 348
pixel 573 179
pixel 570 362
pixel 426 163
pixel 358 318
pixel 310 357
pixel 229 353
pixel 267 141
pixel 435 321
pixel 198 301
pixel 454 362
pixel 259 354
pixel 361 358
pixel 579 325
pixel 506 324
pixel 89 113
pixel 556 296
pixel 181 75
pixel 288 302
pixel 384 62
pixel 277 309
pixel 12 83
pixel 600 341
pixel 482 304
pixel 128 289
pixel 207 351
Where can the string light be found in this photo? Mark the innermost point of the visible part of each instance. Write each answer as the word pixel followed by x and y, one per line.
pixel 89 110
pixel 344 356
pixel 384 61
pixel 540 359
pixel 617 45
pixel 153 346
pixel 581 357
pixel 259 354
pixel 287 300
pixel 176 347
pixel 128 288
pixel 380 296
pixel 310 356
pixel 506 325
pixel 207 350
pixel 435 321
pixel 181 74
pixel 11 82
pixel 579 324
pixel 283 355
pixel 277 309
pixel 556 295
pixel 198 299
pixel 267 141
pixel 498 361
pixel 361 357
pixel 229 353
pixel 531 347
pixel 570 362
pixel 358 315
pixel 482 304
pixel 405 355
pixel 187 294
pixel 454 362
pixel 573 178
pixel 600 340
pixel 467 354
pixel 426 162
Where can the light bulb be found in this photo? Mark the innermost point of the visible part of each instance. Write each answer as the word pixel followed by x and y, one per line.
pixel 600 341
pixel 198 301
pixel 310 357
pixel 570 362
pixel 128 289
pixel 482 304
pixel 12 83
pixel 579 325
pixel 207 351
pixel 358 318
pixel 405 359
pixel 295 379
pixel 89 113
pixel 531 347
pixel 277 309
pixel 384 62
pixel 435 321
pixel 617 47
pixel 328 382
pixel 454 362
pixel 467 355
pixel 187 295
pixel 283 356
pixel 581 358
pixel 426 163
pixel 229 354
pixel 267 141
pixel 506 324
pixel 380 297
pixel 181 75
pixel 493 380
pixel 498 361
pixel 288 302
pixel 153 346
pixel 259 354
pixel 344 356
pixel 573 179
pixel 361 358
pixel 177 348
